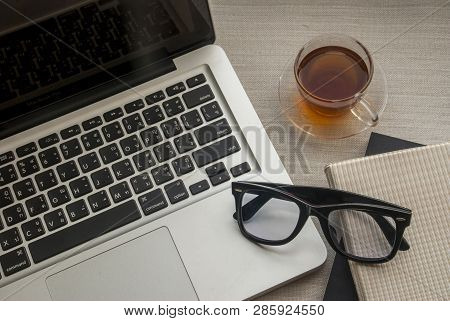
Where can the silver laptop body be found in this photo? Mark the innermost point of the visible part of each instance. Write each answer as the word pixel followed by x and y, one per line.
pixel 128 197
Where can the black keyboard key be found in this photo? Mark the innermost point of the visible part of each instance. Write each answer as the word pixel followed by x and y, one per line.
pixel 198 96
pixel 120 192
pixel 14 261
pixel 211 111
pixel 215 169
pixel 33 229
pixel 162 174
pixel 54 220
pixel 191 119
pixel 84 231
pixel 173 106
pixel 176 191
pixel 112 131
pixel 49 157
pixel 92 140
pixel 26 149
pixel 70 132
pixel 67 171
pixel 89 162
pixel 6 197
pixel 92 123
pixel 155 97
pixel 28 166
pixel 113 114
pixel 58 196
pixel 36 205
pixel 99 201
pixel 182 165
pixel 24 189
pixel 212 131
pixel 130 145
pixel 220 178
pixel 110 153
pixel 7 157
pixel 164 152
pixel 144 160
pixel 123 169
pixel 151 136
pixel 216 151
pixel 102 178
pixel 14 214
pixel 70 148
pixel 48 140
pixel 153 201
pixel 196 80
pixel 141 183
pixel 185 143
pixel 199 187
pixel 7 175
pixel 153 115
pixel 77 210
pixel 175 89
pixel 10 239
pixel 80 187
pixel 133 123
pixel 134 105
pixel 240 169
pixel 171 128
pixel 46 180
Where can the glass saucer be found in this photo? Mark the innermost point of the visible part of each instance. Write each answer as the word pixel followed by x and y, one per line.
pixel 365 114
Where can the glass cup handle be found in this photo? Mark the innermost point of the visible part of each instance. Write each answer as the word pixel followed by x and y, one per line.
pixel 364 113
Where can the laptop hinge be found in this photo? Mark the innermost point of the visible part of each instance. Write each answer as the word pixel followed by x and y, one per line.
pixel 86 98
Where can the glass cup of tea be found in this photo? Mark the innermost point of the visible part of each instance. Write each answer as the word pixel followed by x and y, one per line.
pixel 332 88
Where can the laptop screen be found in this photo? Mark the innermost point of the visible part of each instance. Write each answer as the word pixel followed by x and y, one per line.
pixel 51 50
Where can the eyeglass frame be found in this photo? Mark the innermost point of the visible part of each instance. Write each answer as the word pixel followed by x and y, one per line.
pixel 339 200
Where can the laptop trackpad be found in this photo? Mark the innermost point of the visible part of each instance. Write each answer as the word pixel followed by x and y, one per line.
pixel 146 268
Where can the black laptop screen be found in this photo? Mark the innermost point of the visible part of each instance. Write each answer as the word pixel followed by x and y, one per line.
pixel 51 50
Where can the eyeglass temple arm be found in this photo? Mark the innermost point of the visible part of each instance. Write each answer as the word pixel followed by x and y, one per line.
pixel 389 231
pixel 252 207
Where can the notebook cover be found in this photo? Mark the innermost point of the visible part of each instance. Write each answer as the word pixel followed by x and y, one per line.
pixel 418 179
pixel 341 286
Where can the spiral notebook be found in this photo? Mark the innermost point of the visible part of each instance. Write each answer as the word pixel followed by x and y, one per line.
pixel 417 178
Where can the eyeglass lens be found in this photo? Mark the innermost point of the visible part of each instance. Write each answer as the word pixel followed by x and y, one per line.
pixel 361 234
pixel 269 217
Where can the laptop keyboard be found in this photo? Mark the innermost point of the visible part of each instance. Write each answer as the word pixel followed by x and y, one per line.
pixel 89 179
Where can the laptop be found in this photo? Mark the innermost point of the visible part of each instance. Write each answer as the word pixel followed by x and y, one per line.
pixel 122 128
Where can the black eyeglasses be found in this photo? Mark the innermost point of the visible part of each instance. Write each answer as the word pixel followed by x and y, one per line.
pixel 361 228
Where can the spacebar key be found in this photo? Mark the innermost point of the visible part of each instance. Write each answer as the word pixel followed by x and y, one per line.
pixel 84 231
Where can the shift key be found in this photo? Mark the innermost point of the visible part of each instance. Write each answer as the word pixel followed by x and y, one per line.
pixel 216 151
pixel 14 261
pixel 212 131
pixel 198 96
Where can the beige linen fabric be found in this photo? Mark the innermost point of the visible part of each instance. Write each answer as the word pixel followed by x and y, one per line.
pixel 409 39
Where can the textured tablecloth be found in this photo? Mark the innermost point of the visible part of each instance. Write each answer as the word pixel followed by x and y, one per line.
pixel 409 39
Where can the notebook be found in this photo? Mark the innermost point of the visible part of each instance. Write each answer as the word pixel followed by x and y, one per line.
pixel 417 178
pixel 341 286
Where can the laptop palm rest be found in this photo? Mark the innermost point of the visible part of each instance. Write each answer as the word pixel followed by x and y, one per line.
pixel 146 268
